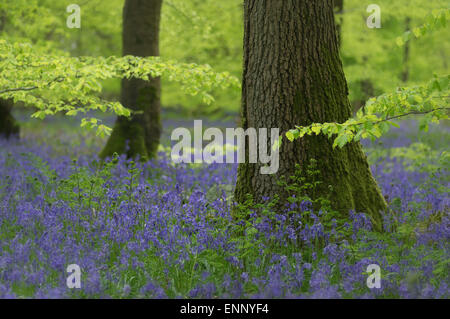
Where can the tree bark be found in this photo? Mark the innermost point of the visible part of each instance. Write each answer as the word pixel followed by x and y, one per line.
pixel 140 134
pixel 293 75
pixel 8 125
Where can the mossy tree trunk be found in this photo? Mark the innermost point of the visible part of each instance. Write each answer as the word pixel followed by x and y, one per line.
pixel 8 125
pixel 140 134
pixel 293 76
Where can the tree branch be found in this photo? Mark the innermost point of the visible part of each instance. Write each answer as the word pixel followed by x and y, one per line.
pixel 411 113
pixel 30 88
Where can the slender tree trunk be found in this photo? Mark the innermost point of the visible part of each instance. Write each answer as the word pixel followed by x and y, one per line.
pixel 406 49
pixel 367 91
pixel 366 87
pixel 8 125
pixel 140 134
pixel 339 10
pixel 293 76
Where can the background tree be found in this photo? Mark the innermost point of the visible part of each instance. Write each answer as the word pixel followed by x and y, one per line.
pixel 373 62
pixel 39 66
pixel 142 130
pixel 46 29
pixel 8 125
pixel 406 53
pixel 338 10
pixel 293 76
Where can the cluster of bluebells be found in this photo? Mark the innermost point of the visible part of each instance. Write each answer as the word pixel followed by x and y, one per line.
pixel 159 230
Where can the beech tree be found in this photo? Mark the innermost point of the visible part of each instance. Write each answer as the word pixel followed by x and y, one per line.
pixel 293 76
pixel 38 73
pixel 338 9
pixel 140 37
pixel 8 125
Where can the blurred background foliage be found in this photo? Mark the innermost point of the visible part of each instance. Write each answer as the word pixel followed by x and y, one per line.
pixel 373 54
pixel 211 32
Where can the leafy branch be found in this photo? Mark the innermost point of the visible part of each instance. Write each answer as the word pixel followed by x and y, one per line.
pixel 412 113
pixel 434 21
pixel 30 88
pixel 53 83
pixel 377 116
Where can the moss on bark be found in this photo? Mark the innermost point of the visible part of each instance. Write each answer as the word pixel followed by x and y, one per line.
pixel 127 138
pixel 293 75
pixel 139 134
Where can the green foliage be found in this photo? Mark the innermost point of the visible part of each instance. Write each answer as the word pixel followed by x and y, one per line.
pixel 375 119
pixel 47 74
pixel 416 157
pixel 372 55
pixel 203 32
pixel 71 85
pixel 43 23
pixel 306 203
pixel 434 21
pixel 36 68
pixel 210 32
pixel 31 21
pixel 378 114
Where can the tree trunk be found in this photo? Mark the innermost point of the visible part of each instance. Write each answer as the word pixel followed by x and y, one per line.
pixel 405 72
pixel 339 10
pixel 367 91
pixel 139 135
pixel 8 125
pixel 293 76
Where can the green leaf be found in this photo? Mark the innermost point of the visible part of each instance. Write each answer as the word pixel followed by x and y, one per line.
pixel 290 135
pixel 316 129
pixel 341 140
